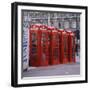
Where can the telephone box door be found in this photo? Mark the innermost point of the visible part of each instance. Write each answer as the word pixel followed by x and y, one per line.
pixel 34 46
pixel 72 48
pixel 44 46
pixel 54 47
pixel 64 47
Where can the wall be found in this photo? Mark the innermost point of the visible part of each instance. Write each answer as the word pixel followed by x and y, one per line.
pixel 5 45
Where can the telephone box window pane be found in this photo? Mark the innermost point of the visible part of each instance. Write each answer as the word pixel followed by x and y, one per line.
pixel 35 57
pixel 56 53
pixel 43 39
pixel 43 56
pixel 56 39
pixel 65 46
pixel 34 40
pixel 34 50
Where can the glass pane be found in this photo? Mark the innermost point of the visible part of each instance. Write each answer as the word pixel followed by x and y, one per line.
pixel 56 53
pixel 43 56
pixel 65 46
pixel 56 39
pixel 34 57
pixel 43 42
pixel 34 40
pixel 34 50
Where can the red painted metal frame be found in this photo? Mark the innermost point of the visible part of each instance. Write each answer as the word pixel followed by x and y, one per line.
pixel 72 47
pixel 44 46
pixel 34 45
pixel 41 58
pixel 63 46
pixel 54 43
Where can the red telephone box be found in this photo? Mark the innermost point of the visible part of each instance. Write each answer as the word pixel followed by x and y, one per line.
pixel 63 46
pixel 44 44
pixel 71 47
pixel 49 46
pixel 54 45
pixel 50 35
pixel 34 45
pixel 39 45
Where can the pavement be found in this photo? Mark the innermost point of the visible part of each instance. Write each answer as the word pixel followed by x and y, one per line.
pixel 61 69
